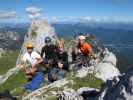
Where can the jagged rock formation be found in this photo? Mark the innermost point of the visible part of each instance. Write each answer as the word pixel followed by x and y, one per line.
pixel 8 39
pixel 65 89
pixel 10 72
pixel 106 70
pixel 38 30
pixel 70 87
pixel 121 88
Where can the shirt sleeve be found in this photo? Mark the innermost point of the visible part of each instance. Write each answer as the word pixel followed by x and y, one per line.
pixel 89 48
pixel 37 55
pixel 24 58
pixel 42 51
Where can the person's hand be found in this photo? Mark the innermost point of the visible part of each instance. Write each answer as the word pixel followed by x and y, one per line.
pixel 50 61
pixel 27 71
pixel 79 51
pixel 60 65
pixel 55 78
pixel 33 70
pixel 21 66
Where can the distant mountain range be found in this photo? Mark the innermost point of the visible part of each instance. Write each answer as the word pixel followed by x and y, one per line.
pixel 96 23
pixel 104 33
pixel 108 32
pixel 106 25
pixel 118 36
pixel 11 35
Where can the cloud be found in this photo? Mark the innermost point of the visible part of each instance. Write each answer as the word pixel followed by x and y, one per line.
pixel 75 19
pixel 34 12
pixel 88 19
pixel 8 14
pixel 55 19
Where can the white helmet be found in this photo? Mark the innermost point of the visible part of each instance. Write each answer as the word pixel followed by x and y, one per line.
pixel 81 37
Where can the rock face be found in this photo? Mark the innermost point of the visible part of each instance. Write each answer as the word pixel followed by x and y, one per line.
pixel 78 84
pixel 37 32
pixel 106 70
pixel 65 89
pixel 8 39
pixel 70 87
pixel 10 72
pixel 120 88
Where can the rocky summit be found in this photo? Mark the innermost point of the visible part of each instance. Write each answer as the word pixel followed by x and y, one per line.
pixel 101 80
pixel 84 83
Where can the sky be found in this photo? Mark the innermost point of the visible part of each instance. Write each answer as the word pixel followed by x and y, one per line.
pixel 55 10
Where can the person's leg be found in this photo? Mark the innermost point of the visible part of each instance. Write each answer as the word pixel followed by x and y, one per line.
pixel 50 78
pixel 27 69
pixel 36 82
pixel 52 74
pixel 61 74
pixel 34 70
pixel 29 76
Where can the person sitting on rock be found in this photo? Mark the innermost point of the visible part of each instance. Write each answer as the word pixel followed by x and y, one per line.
pixel 31 61
pixel 57 72
pixel 83 52
pixel 50 51
pixel 62 54
pixel 84 47
pixel 61 66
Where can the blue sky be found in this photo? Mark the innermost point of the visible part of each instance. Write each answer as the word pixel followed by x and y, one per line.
pixel 110 9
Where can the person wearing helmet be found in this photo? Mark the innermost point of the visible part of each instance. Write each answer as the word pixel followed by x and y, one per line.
pixel 84 47
pixel 30 61
pixel 49 50
pixel 48 40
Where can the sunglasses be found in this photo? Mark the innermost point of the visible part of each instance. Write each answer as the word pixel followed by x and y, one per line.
pixel 30 48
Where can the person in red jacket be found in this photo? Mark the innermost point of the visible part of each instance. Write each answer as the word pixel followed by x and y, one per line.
pixel 84 47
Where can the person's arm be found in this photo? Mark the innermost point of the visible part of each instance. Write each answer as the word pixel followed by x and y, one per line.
pixel 22 65
pixel 23 62
pixel 55 48
pixel 39 61
pixel 65 57
pixel 42 51
pixel 90 50
pixel 66 66
pixel 88 47
pixel 78 49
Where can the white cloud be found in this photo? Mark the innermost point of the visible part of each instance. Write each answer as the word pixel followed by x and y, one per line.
pixel 8 14
pixel 33 11
pixel 86 19
pixel 90 19
pixel 55 19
